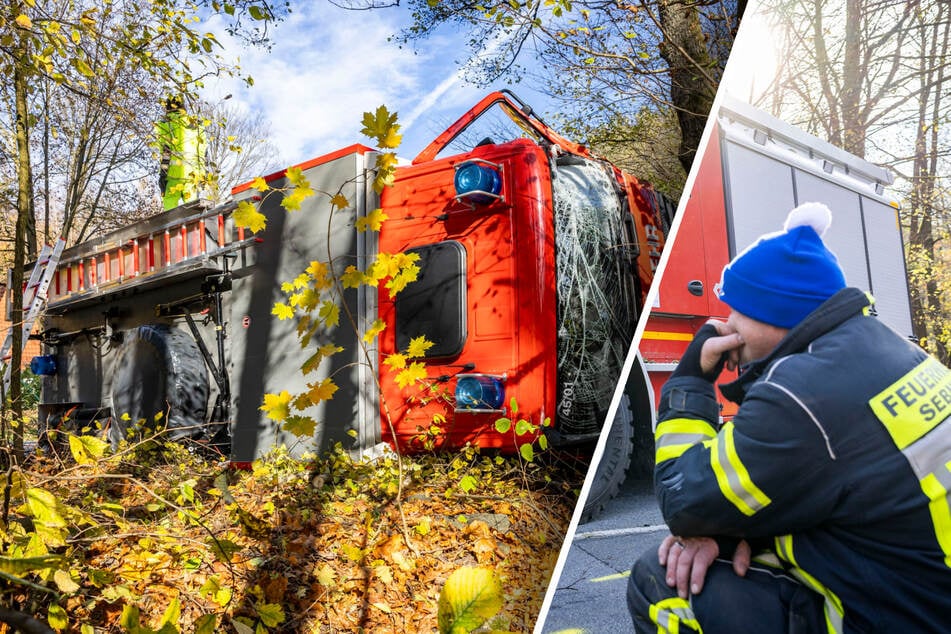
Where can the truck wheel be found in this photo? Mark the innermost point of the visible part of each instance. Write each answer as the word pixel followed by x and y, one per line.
pixel 159 370
pixel 615 462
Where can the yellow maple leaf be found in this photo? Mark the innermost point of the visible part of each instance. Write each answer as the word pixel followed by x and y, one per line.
pixel 302 402
pixel 301 280
pixel 326 576
pixel 396 361
pixel 317 269
pixel 24 21
pixel 293 199
pixel 386 161
pixel 378 326
pixel 259 184
pixel 377 125
pixel 295 176
pixel 247 215
pixel 277 406
pixel 300 426
pixel 329 348
pixel 308 298
pixel 330 313
pixel 389 263
pixel 399 281
pixel 282 311
pixel 415 372
pixel 352 277
pixel 406 260
pixel 418 346
pixel 320 273
pixel 372 221
pixel 375 272
pixel 287 287
pixel 340 201
pixel 271 614
pixel 322 391
pixel 392 138
pixel 383 180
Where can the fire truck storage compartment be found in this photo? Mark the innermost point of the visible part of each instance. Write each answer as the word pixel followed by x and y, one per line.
pixel 123 344
pixel 265 351
pixel 792 168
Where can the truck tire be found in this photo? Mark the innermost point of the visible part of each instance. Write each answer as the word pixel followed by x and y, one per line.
pixel 615 462
pixel 159 370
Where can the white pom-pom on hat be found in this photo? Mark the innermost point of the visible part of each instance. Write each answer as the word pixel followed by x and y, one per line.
pixel 815 215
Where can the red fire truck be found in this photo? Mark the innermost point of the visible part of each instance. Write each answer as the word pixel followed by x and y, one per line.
pixel 753 171
pixel 535 258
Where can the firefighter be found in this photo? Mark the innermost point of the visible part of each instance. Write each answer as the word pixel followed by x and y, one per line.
pixel 182 144
pixel 823 505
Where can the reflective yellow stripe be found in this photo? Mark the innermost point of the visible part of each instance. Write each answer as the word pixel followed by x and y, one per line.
pixel 660 335
pixel 915 411
pixel 670 613
pixel 670 452
pixel 940 510
pixel 832 608
pixel 685 426
pixel 675 436
pixel 732 477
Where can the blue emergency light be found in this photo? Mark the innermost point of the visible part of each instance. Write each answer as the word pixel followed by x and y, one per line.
pixel 43 365
pixel 479 391
pixel 478 181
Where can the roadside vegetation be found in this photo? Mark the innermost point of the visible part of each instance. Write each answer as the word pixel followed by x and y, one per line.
pixel 156 538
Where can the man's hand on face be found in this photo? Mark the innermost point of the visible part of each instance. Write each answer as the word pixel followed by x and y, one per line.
pixel 714 346
pixel 687 560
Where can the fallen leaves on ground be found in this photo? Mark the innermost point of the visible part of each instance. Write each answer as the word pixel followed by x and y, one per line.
pixel 327 545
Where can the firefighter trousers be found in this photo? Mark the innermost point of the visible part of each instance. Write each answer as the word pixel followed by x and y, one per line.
pixel 766 600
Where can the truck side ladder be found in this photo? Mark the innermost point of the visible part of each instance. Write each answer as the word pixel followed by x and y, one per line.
pixel 177 242
pixel 35 294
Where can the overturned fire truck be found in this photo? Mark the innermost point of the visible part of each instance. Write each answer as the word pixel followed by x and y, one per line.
pixel 535 258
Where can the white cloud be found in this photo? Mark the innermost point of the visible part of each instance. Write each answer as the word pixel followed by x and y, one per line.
pixel 329 65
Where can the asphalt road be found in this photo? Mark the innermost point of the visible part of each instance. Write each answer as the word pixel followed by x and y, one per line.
pixel 590 595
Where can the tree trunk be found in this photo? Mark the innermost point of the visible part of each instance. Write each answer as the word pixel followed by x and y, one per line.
pixel 853 122
pixel 685 51
pixel 927 298
pixel 24 211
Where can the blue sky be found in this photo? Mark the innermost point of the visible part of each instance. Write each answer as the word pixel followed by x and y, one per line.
pixel 329 65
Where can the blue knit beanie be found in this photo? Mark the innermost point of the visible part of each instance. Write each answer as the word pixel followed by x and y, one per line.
pixel 784 276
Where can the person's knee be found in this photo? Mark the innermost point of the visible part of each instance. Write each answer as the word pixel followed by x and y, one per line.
pixel 646 585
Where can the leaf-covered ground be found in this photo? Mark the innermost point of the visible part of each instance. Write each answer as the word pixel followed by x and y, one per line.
pixel 159 540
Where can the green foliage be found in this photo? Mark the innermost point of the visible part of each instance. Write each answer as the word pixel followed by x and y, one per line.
pixel 645 143
pixel 30 393
pixel 524 427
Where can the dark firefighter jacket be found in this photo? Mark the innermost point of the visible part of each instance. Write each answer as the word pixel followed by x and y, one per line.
pixel 839 458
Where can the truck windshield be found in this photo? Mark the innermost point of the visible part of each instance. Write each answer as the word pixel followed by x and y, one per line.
pixel 597 310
